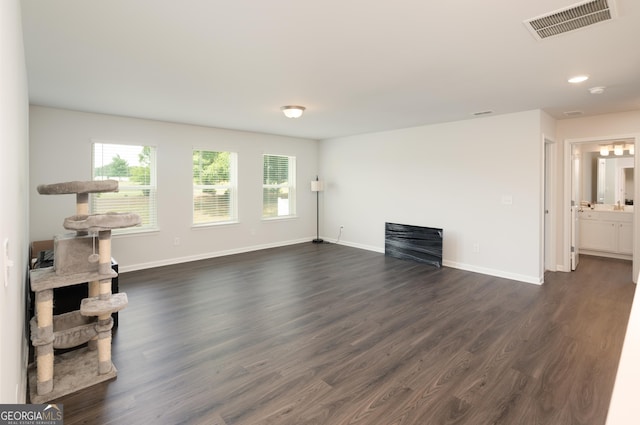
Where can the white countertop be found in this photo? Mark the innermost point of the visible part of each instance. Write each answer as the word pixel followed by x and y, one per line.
pixel 608 207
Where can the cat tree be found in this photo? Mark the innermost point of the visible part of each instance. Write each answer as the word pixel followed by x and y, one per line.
pixel 76 262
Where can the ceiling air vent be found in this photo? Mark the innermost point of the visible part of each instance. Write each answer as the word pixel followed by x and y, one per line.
pixel 572 113
pixel 574 17
pixel 481 113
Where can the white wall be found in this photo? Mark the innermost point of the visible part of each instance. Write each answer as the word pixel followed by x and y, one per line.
pixel 592 128
pixel 61 151
pixel 623 409
pixel 14 142
pixel 453 176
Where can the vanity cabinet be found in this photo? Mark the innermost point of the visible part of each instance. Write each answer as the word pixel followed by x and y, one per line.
pixel 608 233
pixel 625 238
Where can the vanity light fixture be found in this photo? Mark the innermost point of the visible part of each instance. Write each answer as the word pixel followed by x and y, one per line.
pixel 292 111
pixel 604 150
pixel 618 149
pixel 632 149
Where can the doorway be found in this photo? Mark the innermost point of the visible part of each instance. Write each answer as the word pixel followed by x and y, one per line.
pixel 583 186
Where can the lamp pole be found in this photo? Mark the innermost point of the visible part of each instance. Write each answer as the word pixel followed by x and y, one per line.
pixel 317 190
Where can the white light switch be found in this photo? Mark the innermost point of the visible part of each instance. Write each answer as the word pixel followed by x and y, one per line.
pixel 507 200
pixel 7 263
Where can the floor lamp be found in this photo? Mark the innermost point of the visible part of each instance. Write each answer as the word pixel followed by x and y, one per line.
pixel 317 187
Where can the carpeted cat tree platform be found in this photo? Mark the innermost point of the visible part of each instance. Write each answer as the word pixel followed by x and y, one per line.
pixel 76 262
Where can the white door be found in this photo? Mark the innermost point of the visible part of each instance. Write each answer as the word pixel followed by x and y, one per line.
pixel 547 193
pixel 575 236
pixel 575 207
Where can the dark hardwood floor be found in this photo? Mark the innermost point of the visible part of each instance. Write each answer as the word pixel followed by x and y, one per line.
pixel 327 334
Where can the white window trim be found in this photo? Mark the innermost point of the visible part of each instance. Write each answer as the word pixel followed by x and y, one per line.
pixel 293 206
pixel 132 231
pixel 233 187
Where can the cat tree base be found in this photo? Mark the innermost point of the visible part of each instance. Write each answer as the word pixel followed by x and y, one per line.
pixel 73 371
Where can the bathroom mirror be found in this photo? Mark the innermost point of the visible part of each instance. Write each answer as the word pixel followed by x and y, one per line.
pixel 615 180
pixel 606 179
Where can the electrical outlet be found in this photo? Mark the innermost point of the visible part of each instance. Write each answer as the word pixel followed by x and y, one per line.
pixel 176 241
pixel 476 247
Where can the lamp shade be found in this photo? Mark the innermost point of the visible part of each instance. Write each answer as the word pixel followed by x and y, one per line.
pixel 317 186
pixel 292 111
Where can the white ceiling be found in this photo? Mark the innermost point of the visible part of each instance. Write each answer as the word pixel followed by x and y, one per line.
pixel 357 65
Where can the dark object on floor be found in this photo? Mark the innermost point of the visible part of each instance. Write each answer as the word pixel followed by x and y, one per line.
pixel 422 244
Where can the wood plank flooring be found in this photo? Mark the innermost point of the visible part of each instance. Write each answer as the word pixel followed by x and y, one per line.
pixel 327 334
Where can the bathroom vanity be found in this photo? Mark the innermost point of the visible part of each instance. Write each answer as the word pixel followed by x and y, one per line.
pixel 606 233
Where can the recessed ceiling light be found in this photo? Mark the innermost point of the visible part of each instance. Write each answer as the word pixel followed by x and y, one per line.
pixel 578 79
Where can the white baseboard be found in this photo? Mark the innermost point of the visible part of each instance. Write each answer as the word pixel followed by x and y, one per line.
pixel 493 272
pixel 462 266
pixel 606 254
pixel 206 255
pixel 361 246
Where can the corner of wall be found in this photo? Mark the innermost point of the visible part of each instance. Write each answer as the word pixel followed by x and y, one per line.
pixel 14 172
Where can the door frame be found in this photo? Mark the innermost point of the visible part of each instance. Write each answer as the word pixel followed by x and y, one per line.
pixel 549 243
pixel 568 145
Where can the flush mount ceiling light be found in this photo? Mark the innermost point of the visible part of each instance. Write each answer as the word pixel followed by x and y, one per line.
pixel 578 79
pixel 292 111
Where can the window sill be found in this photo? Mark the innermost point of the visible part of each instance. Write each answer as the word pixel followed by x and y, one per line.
pixel 217 224
pixel 281 218
pixel 130 233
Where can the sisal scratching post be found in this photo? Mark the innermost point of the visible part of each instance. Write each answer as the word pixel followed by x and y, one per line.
pixel 105 323
pixel 94 291
pixel 104 249
pixel 82 207
pixel 94 288
pixel 43 340
pixel 104 344
pixel 82 203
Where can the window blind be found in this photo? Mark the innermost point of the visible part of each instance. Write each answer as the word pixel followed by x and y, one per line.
pixel 278 186
pixel 214 187
pixel 134 167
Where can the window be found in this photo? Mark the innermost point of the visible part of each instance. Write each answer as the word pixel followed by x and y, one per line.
pixel 278 186
pixel 134 167
pixel 214 187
